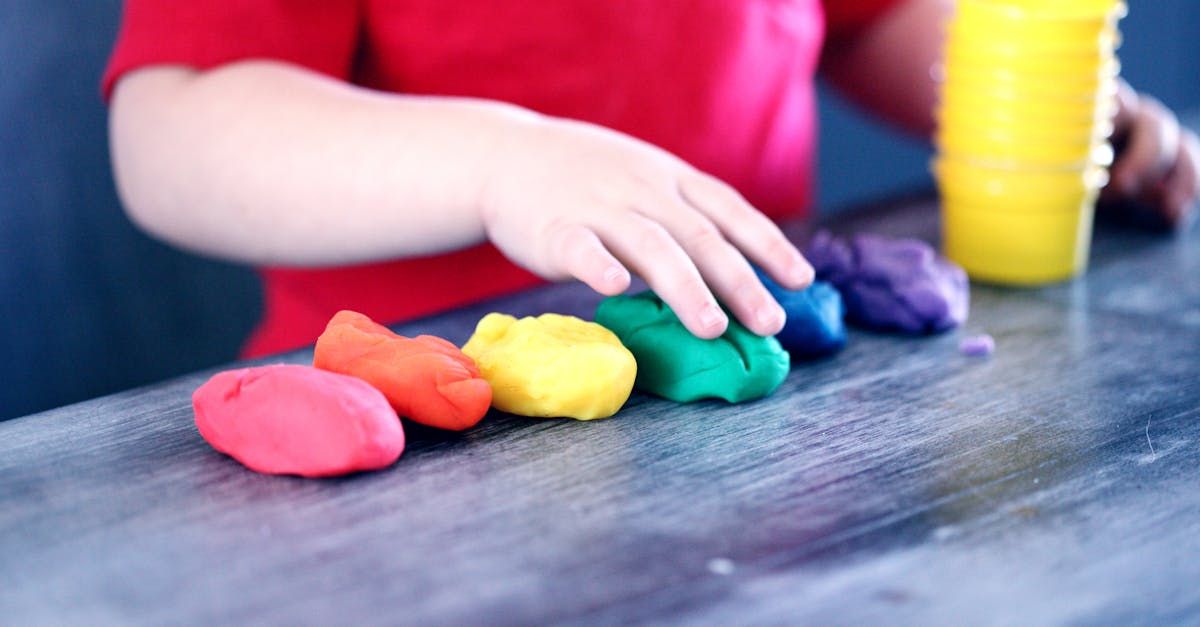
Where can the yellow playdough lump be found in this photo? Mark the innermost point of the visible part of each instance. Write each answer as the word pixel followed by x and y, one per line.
pixel 552 366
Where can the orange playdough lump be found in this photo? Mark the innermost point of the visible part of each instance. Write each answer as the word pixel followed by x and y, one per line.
pixel 426 378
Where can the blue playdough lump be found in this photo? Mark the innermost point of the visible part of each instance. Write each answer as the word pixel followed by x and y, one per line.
pixel 815 325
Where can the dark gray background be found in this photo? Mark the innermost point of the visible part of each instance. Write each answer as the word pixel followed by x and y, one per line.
pixel 89 306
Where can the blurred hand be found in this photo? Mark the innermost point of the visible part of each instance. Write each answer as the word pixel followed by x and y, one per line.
pixel 1158 163
pixel 569 199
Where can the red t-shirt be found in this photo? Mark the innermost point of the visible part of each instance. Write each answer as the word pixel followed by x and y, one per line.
pixel 725 84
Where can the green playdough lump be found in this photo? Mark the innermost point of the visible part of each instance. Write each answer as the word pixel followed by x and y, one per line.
pixel 674 364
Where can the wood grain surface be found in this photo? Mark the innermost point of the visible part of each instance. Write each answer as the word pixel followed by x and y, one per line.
pixel 898 482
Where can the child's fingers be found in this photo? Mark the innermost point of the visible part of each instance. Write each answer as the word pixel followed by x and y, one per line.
pixel 723 268
pixel 1152 147
pixel 1127 106
pixel 650 251
pixel 751 231
pixel 584 257
pixel 1182 186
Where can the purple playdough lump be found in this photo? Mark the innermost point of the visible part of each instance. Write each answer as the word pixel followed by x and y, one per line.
pixel 977 345
pixel 892 284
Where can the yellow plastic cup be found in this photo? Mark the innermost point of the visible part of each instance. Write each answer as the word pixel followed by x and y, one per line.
pixel 1029 87
pixel 1018 189
pixel 1017 225
pixel 1083 199
pixel 1029 90
pixel 1090 52
pixel 1014 156
pixel 1062 9
pixel 1001 131
pixel 1030 34
pixel 1052 61
pixel 1006 199
pixel 971 18
pixel 996 115
pixel 1104 42
pixel 1031 180
pixel 1050 74
pixel 1016 247
pixel 968 125
pixel 1055 112
pixel 1014 150
pixel 1039 69
pixel 974 27
pixel 1044 9
pixel 1035 129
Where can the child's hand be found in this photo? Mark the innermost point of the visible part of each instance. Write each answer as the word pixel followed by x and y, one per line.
pixel 1159 164
pixel 568 199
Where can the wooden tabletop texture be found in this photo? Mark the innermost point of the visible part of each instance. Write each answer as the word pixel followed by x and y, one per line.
pixel 898 482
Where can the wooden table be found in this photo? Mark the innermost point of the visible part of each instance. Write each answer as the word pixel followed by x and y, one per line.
pixel 1057 481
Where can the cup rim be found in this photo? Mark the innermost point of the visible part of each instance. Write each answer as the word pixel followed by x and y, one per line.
pixel 1105 69
pixel 955 161
pixel 974 100
pixel 1097 157
pixel 1017 158
pixel 1103 44
pixel 1009 81
pixel 1039 136
pixel 1004 93
pixel 1098 130
pixel 1116 11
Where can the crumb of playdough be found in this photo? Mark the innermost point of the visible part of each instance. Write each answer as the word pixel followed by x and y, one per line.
pixel 674 364
pixel 814 326
pixel 892 284
pixel 426 378
pixel 977 345
pixel 721 566
pixel 298 420
pixel 552 366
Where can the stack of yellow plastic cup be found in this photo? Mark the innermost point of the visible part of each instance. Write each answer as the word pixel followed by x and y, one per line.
pixel 1026 109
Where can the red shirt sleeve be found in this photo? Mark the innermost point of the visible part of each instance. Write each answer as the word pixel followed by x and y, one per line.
pixel 321 35
pixel 844 17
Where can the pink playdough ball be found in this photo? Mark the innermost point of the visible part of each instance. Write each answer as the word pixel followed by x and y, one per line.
pixel 298 420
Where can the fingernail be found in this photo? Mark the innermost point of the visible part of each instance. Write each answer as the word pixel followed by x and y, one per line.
pixel 613 273
pixel 769 315
pixel 803 271
pixel 712 317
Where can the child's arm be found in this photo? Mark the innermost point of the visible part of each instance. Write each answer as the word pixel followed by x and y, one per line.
pixel 886 65
pixel 268 163
pixel 887 68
